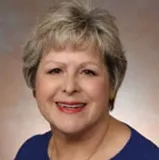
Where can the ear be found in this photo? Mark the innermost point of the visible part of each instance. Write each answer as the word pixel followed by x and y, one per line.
pixel 34 93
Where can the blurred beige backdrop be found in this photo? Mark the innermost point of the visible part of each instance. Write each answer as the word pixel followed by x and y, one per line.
pixel 138 100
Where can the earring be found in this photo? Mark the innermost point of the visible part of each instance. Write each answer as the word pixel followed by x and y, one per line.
pixel 111 101
pixel 111 96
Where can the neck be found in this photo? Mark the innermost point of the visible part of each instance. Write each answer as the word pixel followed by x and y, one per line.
pixel 83 145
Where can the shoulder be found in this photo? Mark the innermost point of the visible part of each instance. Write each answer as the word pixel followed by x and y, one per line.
pixel 138 147
pixel 143 145
pixel 34 147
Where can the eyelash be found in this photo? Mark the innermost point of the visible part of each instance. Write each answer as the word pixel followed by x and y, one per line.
pixel 89 72
pixel 55 71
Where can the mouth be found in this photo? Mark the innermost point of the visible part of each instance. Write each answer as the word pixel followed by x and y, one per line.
pixel 70 107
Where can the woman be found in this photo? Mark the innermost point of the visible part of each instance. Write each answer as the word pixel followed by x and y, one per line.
pixel 74 63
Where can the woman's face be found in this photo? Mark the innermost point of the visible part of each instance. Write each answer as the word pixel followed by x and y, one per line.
pixel 72 89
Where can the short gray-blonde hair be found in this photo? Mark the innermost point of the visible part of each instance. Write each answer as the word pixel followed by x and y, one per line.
pixel 76 24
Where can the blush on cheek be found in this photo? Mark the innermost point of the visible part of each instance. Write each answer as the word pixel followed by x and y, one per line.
pixel 98 87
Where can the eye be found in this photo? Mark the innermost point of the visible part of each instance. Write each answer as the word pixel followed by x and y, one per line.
pixel 89 72
pixel 55 71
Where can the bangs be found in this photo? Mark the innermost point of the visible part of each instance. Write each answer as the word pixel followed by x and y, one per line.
pixel 63 38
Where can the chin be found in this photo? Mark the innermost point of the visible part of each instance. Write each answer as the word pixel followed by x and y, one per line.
pixel 69 128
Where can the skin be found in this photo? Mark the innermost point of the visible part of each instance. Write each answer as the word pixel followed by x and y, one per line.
pixel 81 77
pixel 76 76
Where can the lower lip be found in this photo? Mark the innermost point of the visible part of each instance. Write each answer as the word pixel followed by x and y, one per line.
pixel 70 110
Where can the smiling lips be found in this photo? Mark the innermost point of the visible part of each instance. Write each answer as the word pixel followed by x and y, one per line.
pixel 70 107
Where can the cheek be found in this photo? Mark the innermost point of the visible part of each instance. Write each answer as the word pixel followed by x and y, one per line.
pixel 98 89
pixel 41 86
pixel 44 86
pixel 98 92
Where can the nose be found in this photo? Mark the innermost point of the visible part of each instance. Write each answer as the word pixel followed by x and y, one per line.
pixel 70 85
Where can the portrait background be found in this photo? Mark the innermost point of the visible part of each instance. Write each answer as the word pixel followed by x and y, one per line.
pixel 138 99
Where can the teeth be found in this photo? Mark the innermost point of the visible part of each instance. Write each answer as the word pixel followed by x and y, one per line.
pixel 72 105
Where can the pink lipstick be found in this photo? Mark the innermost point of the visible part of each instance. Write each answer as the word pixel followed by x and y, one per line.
pixel 70 107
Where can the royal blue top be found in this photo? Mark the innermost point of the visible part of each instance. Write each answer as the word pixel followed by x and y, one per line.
pixel 137 148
